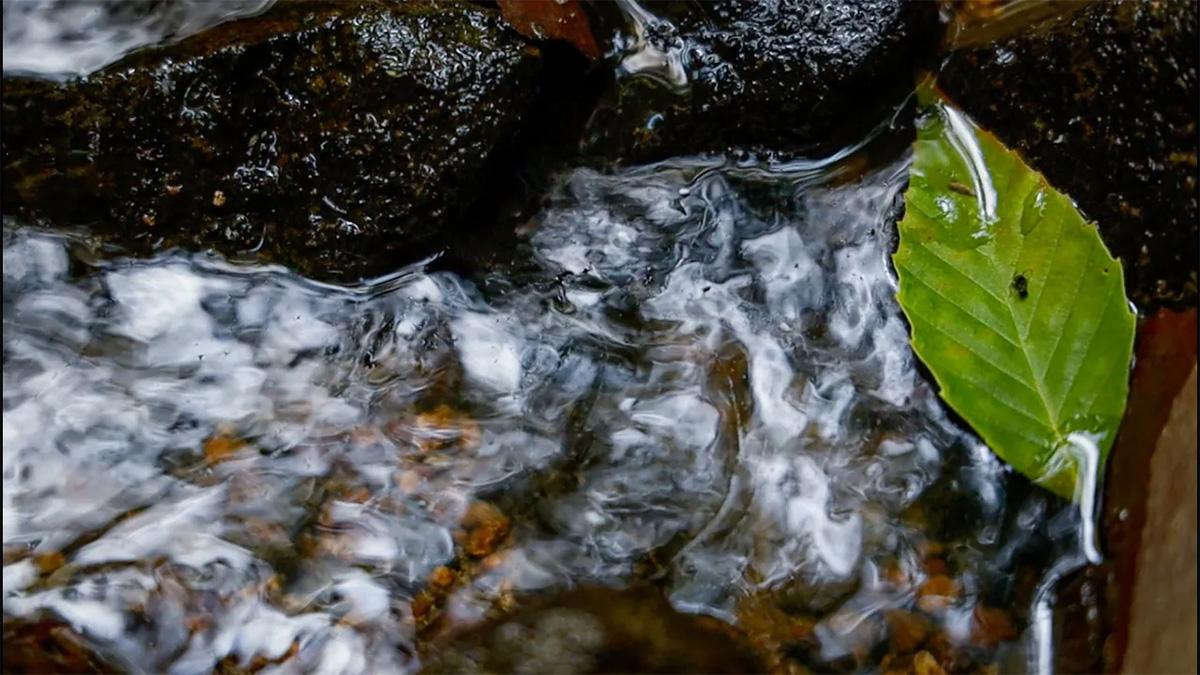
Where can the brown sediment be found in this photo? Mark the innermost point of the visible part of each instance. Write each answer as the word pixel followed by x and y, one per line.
pixel 48 646
pixel 485 526
pixel 908 631
pixel 596 630
pixel 938 592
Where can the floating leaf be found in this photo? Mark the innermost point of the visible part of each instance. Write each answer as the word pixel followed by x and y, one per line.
pixel 1016 307
pixel 552 20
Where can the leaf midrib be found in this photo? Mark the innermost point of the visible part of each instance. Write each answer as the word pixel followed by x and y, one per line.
pixel 1025 348
pixel 1017 340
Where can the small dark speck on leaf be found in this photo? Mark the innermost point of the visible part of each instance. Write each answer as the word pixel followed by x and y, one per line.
pixel 1021 285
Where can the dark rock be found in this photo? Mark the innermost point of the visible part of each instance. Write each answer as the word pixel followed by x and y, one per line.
pixel 1103 102
pixel 340 138
pixel 777 75
pixel 596 630
pixel 523 172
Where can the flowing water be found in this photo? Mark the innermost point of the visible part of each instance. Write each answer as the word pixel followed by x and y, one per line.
pixel 697 377
pixel 65 38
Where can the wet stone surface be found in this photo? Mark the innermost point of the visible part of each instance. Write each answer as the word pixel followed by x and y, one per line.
pixel 1103 102
pixel 337 138
pixel 783 75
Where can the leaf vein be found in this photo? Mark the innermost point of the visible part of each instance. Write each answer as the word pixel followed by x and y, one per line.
pixel 1037 301
pixel 961 272
pixel 1039 385
pixel 1070 313
pixel 1000 369
pixel 950 301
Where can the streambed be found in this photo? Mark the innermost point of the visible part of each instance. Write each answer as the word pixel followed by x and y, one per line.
pixel 701 378
pixel 692 378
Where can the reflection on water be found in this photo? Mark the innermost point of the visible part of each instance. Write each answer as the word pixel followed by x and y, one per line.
pixel 700 379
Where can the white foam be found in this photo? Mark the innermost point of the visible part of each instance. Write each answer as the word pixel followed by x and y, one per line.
pixel 64 38
pixel 700 381
pixel 489 354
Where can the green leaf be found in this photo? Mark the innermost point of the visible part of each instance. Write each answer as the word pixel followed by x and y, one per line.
pixel 1016 307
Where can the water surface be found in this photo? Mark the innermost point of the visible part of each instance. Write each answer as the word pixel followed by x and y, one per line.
pixel 693 375
pixel 700 378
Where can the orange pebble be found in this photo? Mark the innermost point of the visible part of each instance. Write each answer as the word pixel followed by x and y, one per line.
pixel 221 447
pixel 938 592
pixel 442 577
pixel 48 562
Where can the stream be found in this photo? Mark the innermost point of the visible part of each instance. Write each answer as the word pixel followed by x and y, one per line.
pixel 697 377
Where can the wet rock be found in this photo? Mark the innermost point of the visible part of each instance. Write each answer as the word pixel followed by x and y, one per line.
pixel 777 75
pixel 340 138
pixel 1103 102
pixel 596 630
pixel 526 170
